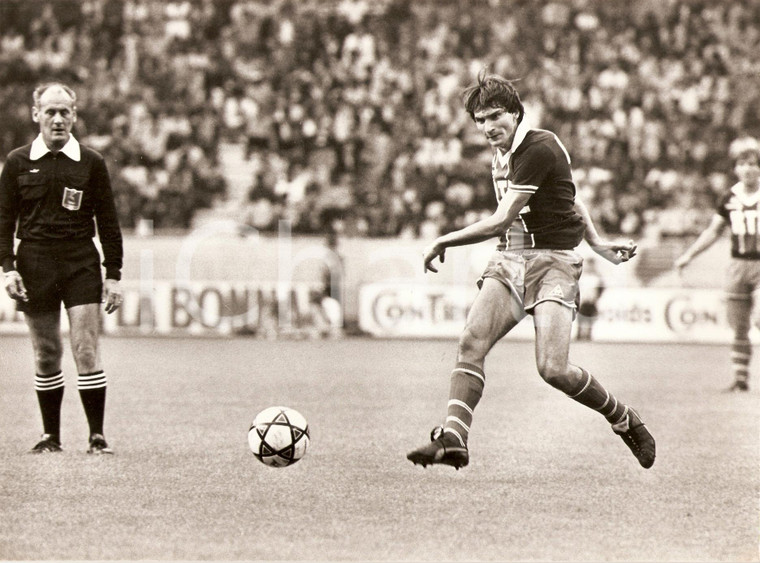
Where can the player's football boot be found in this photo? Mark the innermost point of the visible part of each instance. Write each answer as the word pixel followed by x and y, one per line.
pixel 98 445
pixel 738 387
pixel 444 448
pixel 48 444
pixel 636 436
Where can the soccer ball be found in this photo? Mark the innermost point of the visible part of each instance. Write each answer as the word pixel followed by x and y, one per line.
pixel 278 436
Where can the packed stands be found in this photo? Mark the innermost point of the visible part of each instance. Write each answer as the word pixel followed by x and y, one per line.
pixel 348 115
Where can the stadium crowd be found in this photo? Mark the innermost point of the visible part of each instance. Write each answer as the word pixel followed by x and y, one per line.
pixel 350 110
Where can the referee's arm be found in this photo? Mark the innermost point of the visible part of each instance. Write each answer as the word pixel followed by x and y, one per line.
pixel 107 221
pixel 8 215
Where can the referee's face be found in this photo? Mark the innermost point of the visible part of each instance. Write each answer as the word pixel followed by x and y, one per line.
pixel 56 115
pixel 498 125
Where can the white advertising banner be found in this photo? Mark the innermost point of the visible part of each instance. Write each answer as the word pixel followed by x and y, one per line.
pixel 625 314
pixel 416 310
pixel 387 310
pixel 662 315
pixel 207 308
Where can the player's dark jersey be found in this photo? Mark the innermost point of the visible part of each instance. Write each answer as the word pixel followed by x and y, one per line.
pixel 742 213
pixel 538 164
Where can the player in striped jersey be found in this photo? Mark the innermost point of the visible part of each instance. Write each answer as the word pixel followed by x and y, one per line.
pixel 739 209
pixel 534 271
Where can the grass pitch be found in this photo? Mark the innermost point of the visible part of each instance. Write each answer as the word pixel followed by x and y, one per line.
pixel 547 480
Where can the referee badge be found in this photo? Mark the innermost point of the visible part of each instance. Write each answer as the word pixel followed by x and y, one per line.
pixel 72 199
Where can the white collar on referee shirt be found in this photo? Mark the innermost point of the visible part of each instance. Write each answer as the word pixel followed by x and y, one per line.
pixel 70 149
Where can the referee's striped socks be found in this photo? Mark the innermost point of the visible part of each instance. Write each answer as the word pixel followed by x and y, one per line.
pixel 49 390
pixel 92 392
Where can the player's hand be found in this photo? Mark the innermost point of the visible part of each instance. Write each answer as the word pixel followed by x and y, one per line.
pixel 615 252
pixel 681 262
pixel 15 287
pixel 432 252
pixel 112 295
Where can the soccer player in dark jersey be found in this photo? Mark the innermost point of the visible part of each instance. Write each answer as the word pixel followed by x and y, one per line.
pixel 53 192
pixel 534 271
pixel 739 209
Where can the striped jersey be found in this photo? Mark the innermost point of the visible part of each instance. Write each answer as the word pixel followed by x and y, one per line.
pixel 538 164
pixel 741 210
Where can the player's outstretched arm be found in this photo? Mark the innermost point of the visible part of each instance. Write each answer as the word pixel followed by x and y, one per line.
pixel 704 241
pixel 615 252
pixel 492 226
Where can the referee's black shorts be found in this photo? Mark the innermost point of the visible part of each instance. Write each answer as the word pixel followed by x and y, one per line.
pixel 56 272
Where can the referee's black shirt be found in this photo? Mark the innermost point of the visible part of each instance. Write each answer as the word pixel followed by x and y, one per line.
pixel 55 198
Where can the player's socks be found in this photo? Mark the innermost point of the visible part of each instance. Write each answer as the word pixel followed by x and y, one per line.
pixel 590 393
pixel 49 390
pixel 92 391
pixel 741 355
pixel 467 383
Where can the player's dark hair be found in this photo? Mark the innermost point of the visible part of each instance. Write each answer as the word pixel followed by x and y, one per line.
pixel 492 90
pixel 42 88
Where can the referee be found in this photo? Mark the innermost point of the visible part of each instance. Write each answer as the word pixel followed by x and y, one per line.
pixel 50 192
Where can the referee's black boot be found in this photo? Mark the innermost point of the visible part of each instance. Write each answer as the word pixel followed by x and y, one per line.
pixel 98 445
pixel 49 444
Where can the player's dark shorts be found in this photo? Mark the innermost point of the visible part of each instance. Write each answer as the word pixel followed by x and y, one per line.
pixel 742 278
pixel 58 272
pixel 538 275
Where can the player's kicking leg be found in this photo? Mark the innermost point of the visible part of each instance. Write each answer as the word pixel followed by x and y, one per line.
pixel 553 321
pixel 487 322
